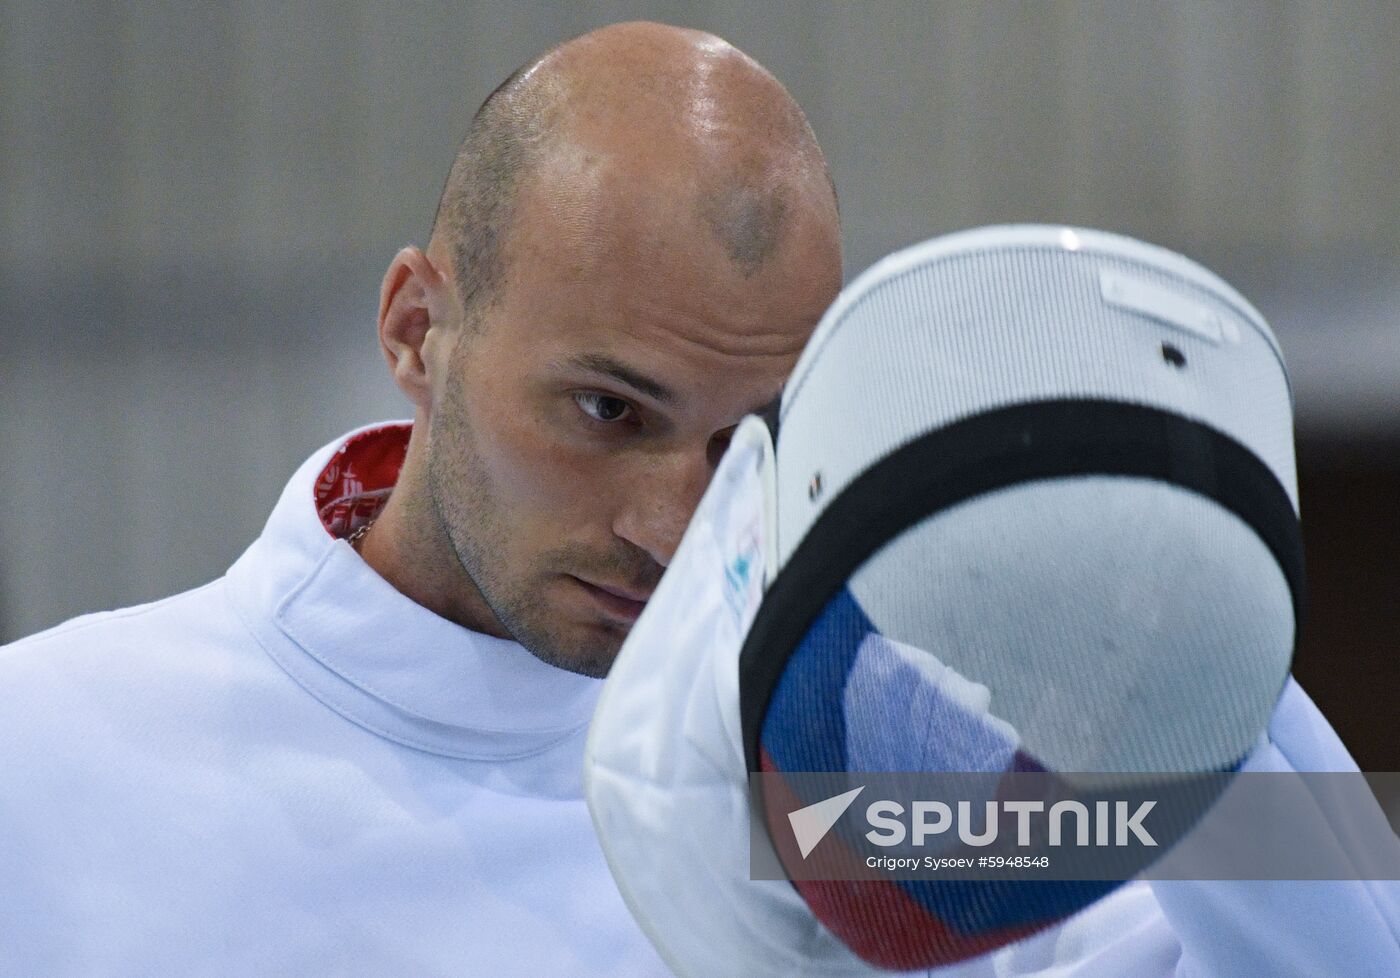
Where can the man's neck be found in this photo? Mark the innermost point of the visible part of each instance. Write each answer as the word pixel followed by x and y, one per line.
pixel 410 548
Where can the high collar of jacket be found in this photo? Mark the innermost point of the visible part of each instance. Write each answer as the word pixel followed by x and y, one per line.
pixel 370 653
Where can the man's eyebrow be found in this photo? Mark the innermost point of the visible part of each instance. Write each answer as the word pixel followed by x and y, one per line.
pixel 600 364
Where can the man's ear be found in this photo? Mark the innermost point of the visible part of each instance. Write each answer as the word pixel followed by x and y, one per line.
pixel 413 302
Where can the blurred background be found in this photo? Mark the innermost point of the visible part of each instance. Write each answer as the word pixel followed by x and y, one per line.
pixel 197 202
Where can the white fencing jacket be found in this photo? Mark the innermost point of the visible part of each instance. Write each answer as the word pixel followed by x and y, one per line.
pixel 295 770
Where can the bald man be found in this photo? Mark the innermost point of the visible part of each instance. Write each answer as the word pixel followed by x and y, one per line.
pixel 358 752
pixel 635 242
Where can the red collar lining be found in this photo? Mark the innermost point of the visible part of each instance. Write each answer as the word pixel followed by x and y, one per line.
pixel 355 484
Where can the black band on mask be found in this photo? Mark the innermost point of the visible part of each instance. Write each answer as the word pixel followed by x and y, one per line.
pixel 982 454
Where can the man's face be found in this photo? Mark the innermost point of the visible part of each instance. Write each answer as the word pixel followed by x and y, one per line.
pixel 576 426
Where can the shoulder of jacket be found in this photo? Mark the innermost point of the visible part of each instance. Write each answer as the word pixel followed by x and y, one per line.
pixel 116 621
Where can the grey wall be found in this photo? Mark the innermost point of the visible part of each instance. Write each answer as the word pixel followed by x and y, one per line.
pixel 197 201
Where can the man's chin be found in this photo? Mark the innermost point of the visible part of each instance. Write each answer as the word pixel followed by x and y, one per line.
pixel 595 666
pixel 564 627
pixel 588 650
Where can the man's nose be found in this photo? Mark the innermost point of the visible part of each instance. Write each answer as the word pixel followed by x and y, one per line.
pixel 661 501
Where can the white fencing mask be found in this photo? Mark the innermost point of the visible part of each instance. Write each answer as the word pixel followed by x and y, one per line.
pixel 1031 505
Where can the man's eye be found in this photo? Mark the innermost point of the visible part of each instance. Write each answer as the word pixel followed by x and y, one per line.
pixel 601 407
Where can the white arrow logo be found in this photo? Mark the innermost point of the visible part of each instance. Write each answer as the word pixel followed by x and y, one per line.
pixel 811 824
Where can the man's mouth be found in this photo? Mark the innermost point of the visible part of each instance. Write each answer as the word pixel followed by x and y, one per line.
pixel 620 602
